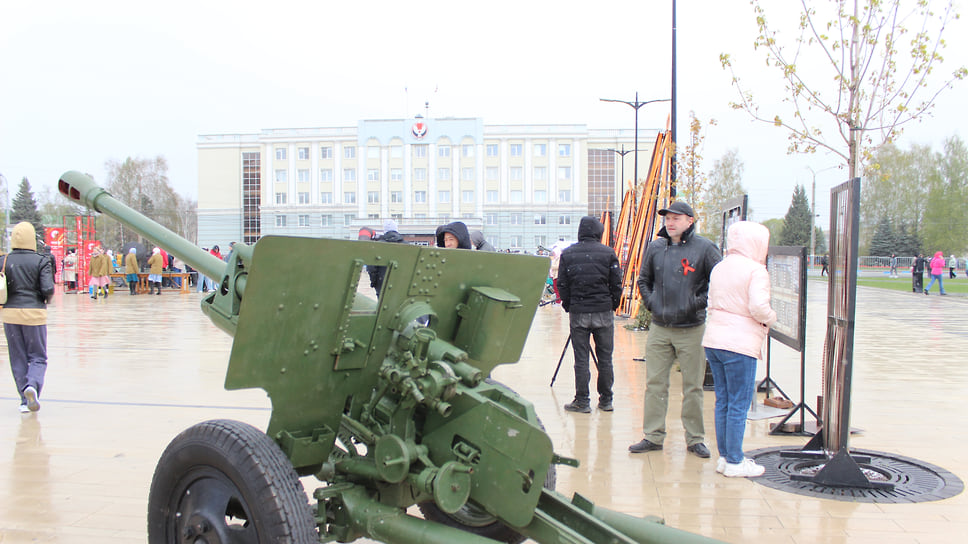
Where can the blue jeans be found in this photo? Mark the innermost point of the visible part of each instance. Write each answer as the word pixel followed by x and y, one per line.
pixel 601 327
pixel 940 283
pixel 734 375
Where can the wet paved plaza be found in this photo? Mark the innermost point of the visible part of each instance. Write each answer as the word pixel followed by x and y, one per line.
pixel 127 374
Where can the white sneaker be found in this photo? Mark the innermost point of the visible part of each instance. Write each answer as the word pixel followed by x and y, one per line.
pixel 33 403
pixel 721 465
pixel 747 469
pixel 24 409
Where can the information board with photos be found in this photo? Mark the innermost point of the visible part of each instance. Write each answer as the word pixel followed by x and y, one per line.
pixel 787 266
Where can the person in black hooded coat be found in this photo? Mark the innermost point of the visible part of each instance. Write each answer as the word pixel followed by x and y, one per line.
pixel 590 285
pixel 378 273
pixel 461 238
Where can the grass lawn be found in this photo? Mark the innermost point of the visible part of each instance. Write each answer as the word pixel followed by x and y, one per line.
pixel 957 286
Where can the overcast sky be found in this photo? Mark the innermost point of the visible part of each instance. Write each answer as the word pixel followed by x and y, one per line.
pixel 88 82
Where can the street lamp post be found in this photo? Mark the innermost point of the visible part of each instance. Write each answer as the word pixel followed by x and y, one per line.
pixel 622 153
pixel 813 212
pixel 635 163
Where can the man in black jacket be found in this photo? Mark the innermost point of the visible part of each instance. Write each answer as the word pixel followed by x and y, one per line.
pixel 590 285
pixel 377 273
pixel 674 284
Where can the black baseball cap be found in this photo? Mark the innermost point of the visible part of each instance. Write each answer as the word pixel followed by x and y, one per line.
pixel 678 207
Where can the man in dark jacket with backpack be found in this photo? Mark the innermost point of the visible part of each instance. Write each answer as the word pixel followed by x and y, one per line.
pixel 590 285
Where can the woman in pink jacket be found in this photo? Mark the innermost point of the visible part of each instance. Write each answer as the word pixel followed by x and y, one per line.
pixel 937 268
pixel 739 319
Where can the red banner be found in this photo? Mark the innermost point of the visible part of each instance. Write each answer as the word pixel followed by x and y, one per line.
pixel 54 238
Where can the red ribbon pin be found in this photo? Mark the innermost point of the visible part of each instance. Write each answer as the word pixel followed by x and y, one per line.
pixel 686 269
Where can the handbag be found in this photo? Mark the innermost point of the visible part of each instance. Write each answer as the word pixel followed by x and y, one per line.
pixel 3 282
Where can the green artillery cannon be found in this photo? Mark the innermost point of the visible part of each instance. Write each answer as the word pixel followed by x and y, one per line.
pixel 386 402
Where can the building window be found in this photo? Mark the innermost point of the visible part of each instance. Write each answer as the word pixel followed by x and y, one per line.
pixel 564 150
pixel 467 150
pixel 303 220
pixel 540 196
pixel 420 174
pixel 516 242
pixel 302 153
pixel 540 150
pixel 372 152
pixel 396 174
pixel 326 197
pixel 282 176
pixel 396 151
pixel 373 197
pixel 396 217
pixel 443 217
pixel 280 198
pixel 492 196
pixel 467 197
pixel 564 219
pixel 303 197
pixel 396 197
pixel 517 196
pixel 251 196
pixel 467 174
pixel 516 173
pixel 372 216
pixel 373 174
pixel 540 241
pixel 443 173
pixel 443 151
pixel 327 221
pixel 326 174
pixel 491 150
pixel 539 219
pixel 490 173
pixel 349 197
pixel 302 175
pixel 349 152
pixel 280 153
pixel 443 197
pixel 564 172
pixel 490 219
pixel 420 196
pixel 349 218
pixel 280 220
pixel 515 150
pixel 326 153
pixel 564 195
pixel 349 174
pixel 540 173
pixel 516 219
pixel 420 151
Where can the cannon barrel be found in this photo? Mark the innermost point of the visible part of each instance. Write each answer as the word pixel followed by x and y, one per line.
pixel 80 188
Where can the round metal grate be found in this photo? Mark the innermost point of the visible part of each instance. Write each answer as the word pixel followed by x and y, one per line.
pixel 914 481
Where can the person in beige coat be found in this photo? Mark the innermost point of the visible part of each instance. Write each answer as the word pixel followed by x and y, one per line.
pixel 739 320
pixel 156 264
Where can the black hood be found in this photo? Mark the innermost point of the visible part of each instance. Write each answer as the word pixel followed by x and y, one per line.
pixel 590 228
pixel 459 230
pixel 392 236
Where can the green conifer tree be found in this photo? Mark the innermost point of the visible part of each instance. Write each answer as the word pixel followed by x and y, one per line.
pixel 24 208
pixel 796 223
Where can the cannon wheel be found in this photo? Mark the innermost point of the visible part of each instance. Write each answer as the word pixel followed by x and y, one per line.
pixel 224 482
pixel 474 519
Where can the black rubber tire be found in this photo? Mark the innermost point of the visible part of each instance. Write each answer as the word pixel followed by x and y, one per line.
pixel 227 482
pixel 476 520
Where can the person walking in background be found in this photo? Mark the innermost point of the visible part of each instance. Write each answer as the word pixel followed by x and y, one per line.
pixel 937 268
pixel 952 266
pixel 30 285
pixel 674 282
pixel 823 264
pixel 97 270
pixel 156 263
pixel 893 261
pixel 590 285
pixel 70 270
pixel 917 273
pixel 739 320
pixel 453 236
pixel 131 270
pixel 479 243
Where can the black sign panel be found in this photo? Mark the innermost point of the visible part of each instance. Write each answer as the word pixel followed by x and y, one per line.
pixel 787 266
